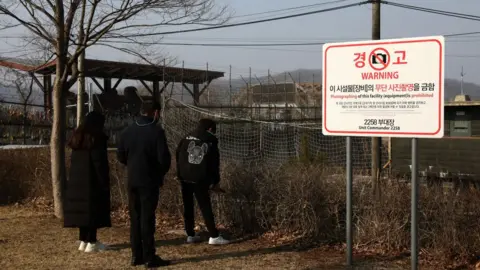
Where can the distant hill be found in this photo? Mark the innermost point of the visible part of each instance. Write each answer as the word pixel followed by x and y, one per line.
pixel 452 86
pixel 11 95
pixel 299 76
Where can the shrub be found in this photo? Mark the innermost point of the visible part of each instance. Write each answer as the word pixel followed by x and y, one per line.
pixel 305 200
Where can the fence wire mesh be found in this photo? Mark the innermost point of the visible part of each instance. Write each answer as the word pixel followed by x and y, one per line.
pixel 243 140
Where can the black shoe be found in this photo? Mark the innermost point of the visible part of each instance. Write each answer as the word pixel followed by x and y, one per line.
pixel 137 261
pixel 157 262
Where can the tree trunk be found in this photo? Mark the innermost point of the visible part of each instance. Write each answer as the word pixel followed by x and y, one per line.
pixel 57 142
pixel 81 89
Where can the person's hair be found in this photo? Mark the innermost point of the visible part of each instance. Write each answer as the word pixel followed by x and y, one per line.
pixel 87 132
pixel 149 107
pixel 206 124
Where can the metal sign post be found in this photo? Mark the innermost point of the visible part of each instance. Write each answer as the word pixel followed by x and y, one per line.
pixel 414 206
pixel 349 201
pixel 384 88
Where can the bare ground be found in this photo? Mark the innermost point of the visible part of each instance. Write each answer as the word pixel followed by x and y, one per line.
pixel 31 239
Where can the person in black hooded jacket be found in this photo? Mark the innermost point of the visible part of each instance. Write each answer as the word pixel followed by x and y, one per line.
pixel 143 149
pixel 198 169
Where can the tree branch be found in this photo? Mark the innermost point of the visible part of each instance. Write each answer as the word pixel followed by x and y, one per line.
pixel 30 26
pixel 27 3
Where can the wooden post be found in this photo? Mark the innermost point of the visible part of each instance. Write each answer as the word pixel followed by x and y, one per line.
pixel 47 86
pixel 250 89
pixel 230 85
pixel 156 90
pixel 183 85
pixel 196 94
pixel 107 85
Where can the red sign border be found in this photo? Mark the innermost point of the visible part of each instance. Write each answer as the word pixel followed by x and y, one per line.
pixel 366 133
pixel 386 64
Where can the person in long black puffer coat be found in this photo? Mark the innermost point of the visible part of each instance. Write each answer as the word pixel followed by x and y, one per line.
pixel 87 197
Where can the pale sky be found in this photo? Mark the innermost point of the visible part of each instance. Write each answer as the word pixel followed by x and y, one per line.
pixel 350 24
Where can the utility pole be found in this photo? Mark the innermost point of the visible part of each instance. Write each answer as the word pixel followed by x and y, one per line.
pixel 376 141
pixel 461 84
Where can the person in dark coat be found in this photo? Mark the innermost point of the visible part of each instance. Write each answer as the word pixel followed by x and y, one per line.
pixel 198 169
pixel 87 197
pixel 143 149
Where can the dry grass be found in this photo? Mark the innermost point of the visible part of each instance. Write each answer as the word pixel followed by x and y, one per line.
pixel 300 202
pixel 35 240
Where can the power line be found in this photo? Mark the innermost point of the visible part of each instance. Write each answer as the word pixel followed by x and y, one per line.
pixel 220 44
pixel 462 34
pixel 464 56
pixel 242 23
pixel 289 9
pixel 315 43
pixel 434 11
pixel 430 9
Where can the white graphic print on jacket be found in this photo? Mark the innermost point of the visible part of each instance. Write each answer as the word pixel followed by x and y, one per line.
pixel 196 153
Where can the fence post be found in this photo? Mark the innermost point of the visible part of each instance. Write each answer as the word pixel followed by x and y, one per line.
pixel 208 89
pixel 268 96
pixel 24 126
pixel 230 85
pixel 250 89
pixel 183 86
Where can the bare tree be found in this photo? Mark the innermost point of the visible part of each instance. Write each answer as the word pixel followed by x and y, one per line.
pixel 24 87
pixel 22 83
pixel 58 22
pixel 19 81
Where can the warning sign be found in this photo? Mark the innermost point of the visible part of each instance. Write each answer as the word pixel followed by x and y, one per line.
pixel 392 88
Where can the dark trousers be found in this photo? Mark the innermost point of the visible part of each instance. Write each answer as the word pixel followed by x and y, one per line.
pixel 142 203
pixel 204 203
pixel 88 235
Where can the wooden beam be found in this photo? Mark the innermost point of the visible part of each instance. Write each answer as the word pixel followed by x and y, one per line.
pixel 107 84
pixel 196 94
pixel 116 84
pixel 70 85
pixel 156 90
pixel 115 70
pixel 147 87
pixel 206 86
pixel 149 73
pixel 37 82
pixel 164 87
pixel 94 70
pixel 98 84
pixel 188 89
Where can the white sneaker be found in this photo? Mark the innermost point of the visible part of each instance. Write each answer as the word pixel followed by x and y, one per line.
pixel 95 247
pixel 218 241
pixel 82 246
pixel 193 239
